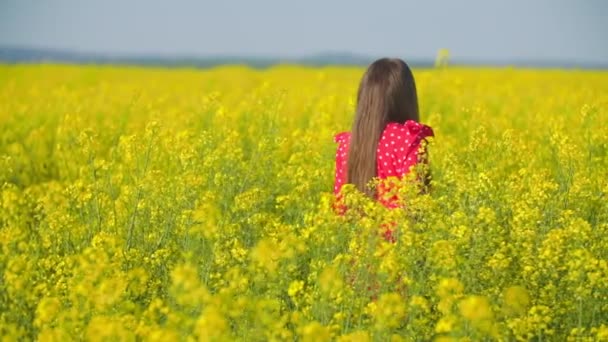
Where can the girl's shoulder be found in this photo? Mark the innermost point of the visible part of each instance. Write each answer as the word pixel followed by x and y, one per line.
pixel 342 137
pixel 410 128
pixel 403 138
pixel 408 131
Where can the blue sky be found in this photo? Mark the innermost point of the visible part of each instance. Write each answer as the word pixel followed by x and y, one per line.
pixel 484 30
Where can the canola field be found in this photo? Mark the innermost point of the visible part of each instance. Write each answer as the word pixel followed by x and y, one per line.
pixel 197 205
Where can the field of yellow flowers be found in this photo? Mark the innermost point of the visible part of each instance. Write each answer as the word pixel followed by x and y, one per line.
pixel 182 204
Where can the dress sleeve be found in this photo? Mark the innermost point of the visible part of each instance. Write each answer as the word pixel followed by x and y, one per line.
pixel 341 158
pixel 411 150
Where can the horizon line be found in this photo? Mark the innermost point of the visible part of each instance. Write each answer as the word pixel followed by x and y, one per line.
pixel 26 54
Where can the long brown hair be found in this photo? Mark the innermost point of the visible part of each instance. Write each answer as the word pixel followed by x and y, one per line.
pixel 387 93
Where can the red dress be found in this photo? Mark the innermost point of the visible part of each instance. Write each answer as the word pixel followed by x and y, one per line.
pixel 397 152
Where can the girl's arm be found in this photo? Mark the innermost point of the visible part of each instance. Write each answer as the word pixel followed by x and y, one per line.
pixel 423 160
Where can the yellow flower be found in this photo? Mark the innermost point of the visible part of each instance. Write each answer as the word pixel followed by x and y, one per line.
pixel 357 336
pixel 102 328
pixel 445 324
pixel 476 308
pixel 449 286
pixel 516 300
pixel 186 286
pixel 109 292
pixel 420 302
pixel 266 254
pixel 211 325
pixel 47 310
pixel 315 332
pixel 601 333
pixel 330 280
pixel 295 287
pixel 389 311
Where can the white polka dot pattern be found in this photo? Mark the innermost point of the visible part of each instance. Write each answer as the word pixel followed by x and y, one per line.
pixel 397 150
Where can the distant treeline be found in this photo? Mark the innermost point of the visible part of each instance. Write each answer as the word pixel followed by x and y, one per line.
pixel 27 55
pixel 36 55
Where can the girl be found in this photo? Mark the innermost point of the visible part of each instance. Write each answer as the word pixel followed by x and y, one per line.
pixel 385 140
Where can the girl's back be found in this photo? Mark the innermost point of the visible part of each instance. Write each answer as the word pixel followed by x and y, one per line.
pixel 385 139
pixel 397 152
